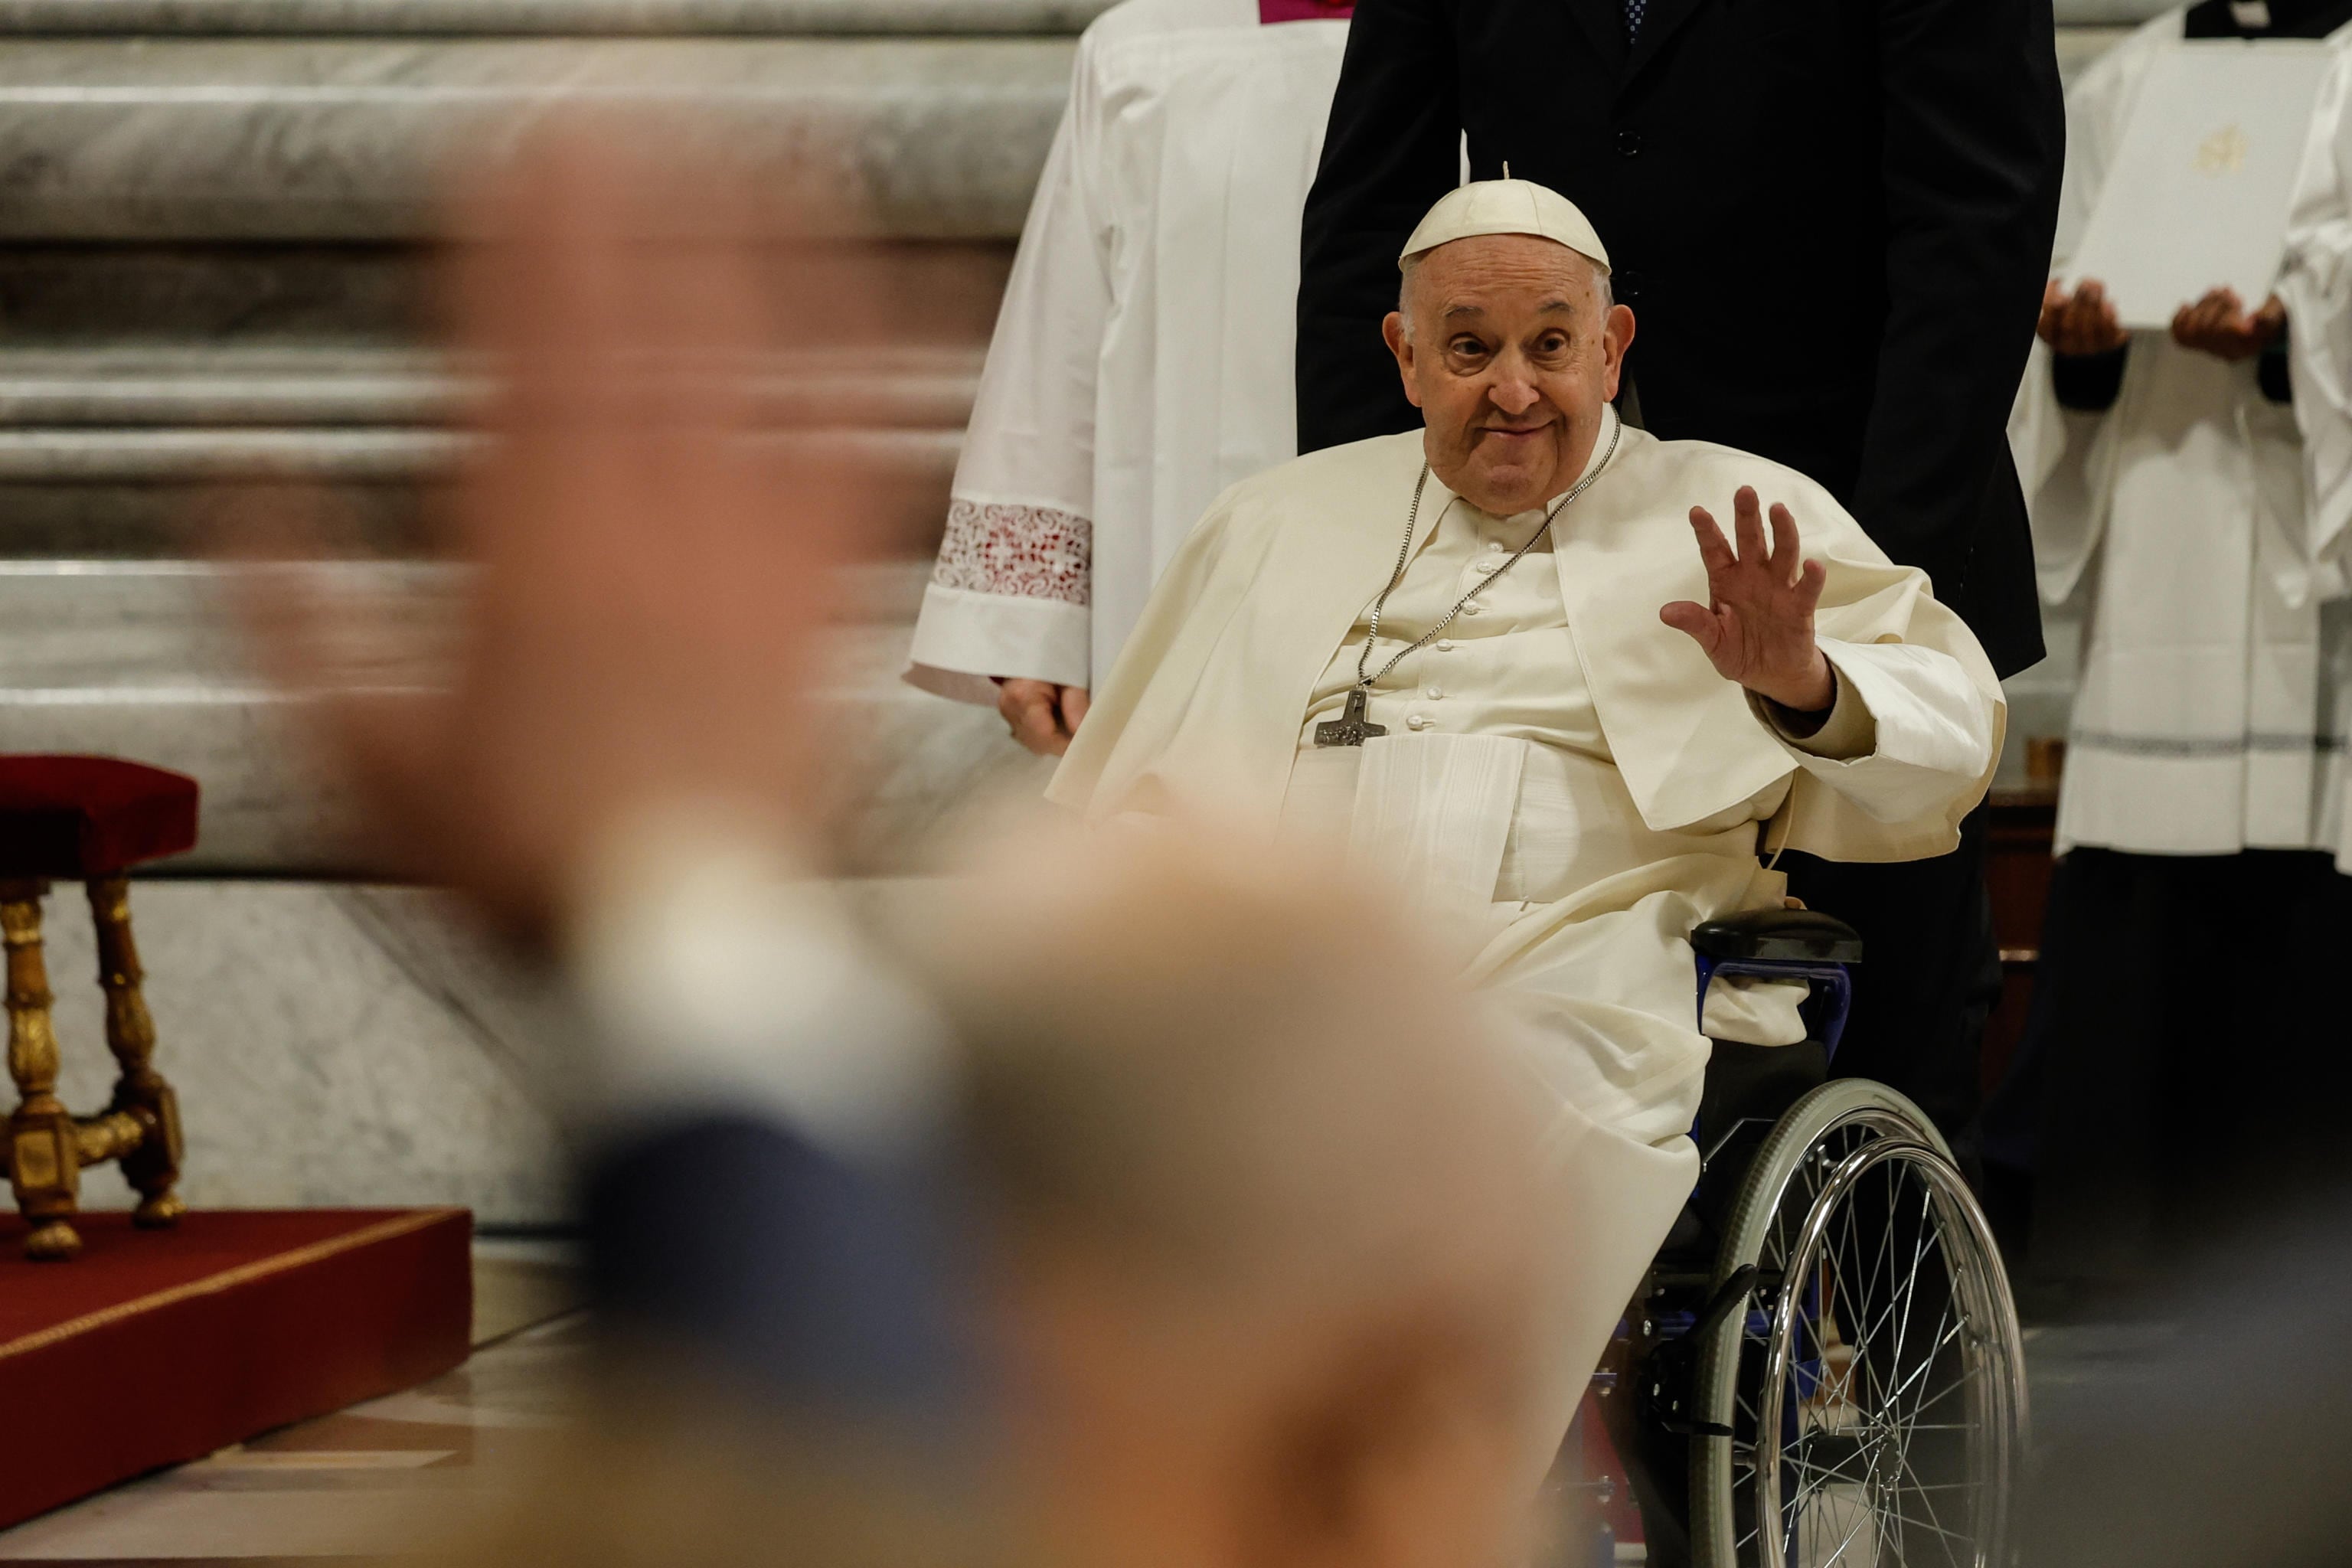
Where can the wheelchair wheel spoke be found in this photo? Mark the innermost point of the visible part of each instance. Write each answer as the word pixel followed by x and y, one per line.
pixel 1810 1475
pixel 1900 1429
pixel 1890 1430
pixel 1863 1516
pixel 1960 1383
pixel 1910 1287
pixel 1926 1366
pixel 1946 1485
pixel 1873 1327
pixel 1870 1481
pixel 1933 1522
pixel 1872 1451
pixel 1903 1304
pixel 1932 1525
pixel 1881 1266
pixel 1824 1494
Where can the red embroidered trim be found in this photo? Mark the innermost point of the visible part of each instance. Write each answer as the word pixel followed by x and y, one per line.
pixel 1022 551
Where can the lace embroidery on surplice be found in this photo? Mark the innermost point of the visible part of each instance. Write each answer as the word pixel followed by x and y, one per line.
pixel 1022 551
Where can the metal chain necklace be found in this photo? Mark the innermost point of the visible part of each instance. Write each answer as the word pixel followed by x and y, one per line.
pixel 1354 725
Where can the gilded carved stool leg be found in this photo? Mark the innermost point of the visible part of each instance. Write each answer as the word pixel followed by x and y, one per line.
pixel 153 1164
pixel 44 1152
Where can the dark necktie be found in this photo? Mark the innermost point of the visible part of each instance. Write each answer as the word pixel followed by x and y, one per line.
pixel 1633 10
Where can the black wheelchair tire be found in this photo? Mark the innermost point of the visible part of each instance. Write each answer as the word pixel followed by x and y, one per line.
pixel 1838 1119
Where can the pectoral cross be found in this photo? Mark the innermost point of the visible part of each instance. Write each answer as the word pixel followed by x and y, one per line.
pixel 1353 727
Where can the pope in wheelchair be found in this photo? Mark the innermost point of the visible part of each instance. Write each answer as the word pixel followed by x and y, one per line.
pixel 1514 665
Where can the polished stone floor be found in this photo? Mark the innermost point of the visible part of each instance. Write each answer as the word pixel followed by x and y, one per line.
pixel 401 1474
pixel 390 1476
pixel 381 1478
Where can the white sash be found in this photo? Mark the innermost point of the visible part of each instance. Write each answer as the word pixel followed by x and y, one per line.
pixel 1433 814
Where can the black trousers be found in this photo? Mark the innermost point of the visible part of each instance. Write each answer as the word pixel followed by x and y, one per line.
pixel 2186 1071
pixel 1929 976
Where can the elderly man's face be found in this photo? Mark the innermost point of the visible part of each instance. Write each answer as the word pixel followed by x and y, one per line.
pixel 1509 355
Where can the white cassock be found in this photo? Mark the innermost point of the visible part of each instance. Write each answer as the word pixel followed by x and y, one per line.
pixel 1142 359
pixel 2206 524
pixel 1567 787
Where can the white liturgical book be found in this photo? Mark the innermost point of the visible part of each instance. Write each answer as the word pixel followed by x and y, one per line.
pixel 2199 193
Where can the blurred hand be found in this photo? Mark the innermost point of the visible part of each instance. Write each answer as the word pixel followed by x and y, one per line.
pixel 1758 627
pixel 651 580
pixel 2218 325
pixel 1043 716
pixel 2081 322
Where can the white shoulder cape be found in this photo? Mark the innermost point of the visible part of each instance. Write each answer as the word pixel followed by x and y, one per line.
pixel 1202 713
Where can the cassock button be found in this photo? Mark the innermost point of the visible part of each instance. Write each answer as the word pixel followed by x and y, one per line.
pixel 1474 608
pixel 1436 692
pixel 1417 722
pixel 1445 645
pixel 1629 143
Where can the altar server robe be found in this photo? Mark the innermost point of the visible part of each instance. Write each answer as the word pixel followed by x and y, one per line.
pixel 2202 523
pixel 1142 359
pixel 1663 807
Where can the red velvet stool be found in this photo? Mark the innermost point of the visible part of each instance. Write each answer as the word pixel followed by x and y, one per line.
pixel 85 819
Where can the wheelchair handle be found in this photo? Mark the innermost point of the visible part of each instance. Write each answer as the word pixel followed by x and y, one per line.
pixel 1778 936
pixel 1784 944
pixel 1831 1001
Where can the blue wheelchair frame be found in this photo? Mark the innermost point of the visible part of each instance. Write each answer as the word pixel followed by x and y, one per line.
pixel 1784 944
pixel 1764 944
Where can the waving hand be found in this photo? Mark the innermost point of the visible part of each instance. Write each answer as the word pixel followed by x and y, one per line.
pixel 1758 625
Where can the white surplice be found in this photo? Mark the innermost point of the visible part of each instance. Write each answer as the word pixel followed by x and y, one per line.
pixel 1142 359
pixel 2204 524
pixel 1567 787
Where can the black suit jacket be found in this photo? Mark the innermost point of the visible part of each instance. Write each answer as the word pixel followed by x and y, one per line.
pixel 1833 220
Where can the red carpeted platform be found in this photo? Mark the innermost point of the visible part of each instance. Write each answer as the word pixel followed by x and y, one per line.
pixel 153 1347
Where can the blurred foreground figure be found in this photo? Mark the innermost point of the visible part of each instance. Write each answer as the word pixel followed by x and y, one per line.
pixel 1276 1230
pixel 1258 1263
pixel 2193 486
pixel 1142 360
pixel 1173 1192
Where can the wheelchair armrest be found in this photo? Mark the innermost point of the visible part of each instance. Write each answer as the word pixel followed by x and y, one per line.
pixel 1788 936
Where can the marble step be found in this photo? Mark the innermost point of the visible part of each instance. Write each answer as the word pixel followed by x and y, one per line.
pixel 643 17
pixel 158 518
pixel 2109 13
pixel 87 624
pixel 134 493
pixel 337 139
pixel 164 385
pixel 157 135
pixel 193 388
pixel 109 450
pixel 561 19
pixel 230 296
pixel 139 658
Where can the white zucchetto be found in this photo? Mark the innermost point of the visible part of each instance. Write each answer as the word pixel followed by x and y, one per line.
pixel 1506 206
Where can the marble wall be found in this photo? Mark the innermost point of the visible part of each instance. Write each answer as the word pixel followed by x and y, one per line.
pixel 646 18
pixel 332 1044
pixel 288 138
pixel 550 18
pixel 138 658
